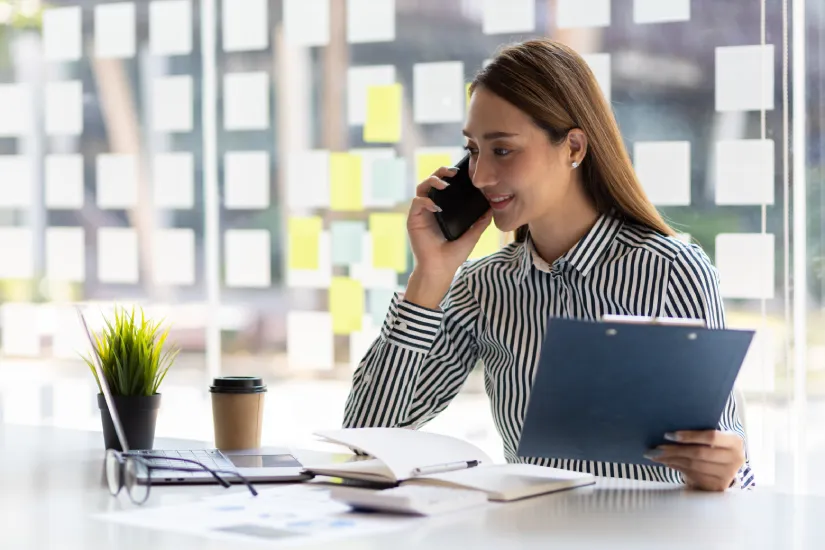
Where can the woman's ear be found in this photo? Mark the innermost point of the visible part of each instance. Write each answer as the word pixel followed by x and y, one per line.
pixel 577 145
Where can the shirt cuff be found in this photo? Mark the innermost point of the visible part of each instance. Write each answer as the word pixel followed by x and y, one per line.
pixel 411 326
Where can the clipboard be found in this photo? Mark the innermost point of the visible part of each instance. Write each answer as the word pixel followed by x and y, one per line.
pixel 608 391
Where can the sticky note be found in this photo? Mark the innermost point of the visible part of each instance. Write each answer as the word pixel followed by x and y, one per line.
pixel 369 155
pixel 117 255
pixel 508 16
pixel 361 341
pixel 444 102
pixel 359 80
pixel 64 108
pixel 599 64
pixel 489 243
pixel 247 258
pixel 389 181
pixel 346 305
pixel 67 339
pixel 117 181
pixel 65 254
pixel 467 93
pixel 318 278
pixel 745 171
pixel 746 265
pixel 115 30
pixel 383 123
pixel 246 101
pixel 745 78
pixel 347 241
pixel 370 21
pixel 345 182
pixel 64 181
pixel 246 180
pixel 309 340
pixel 172 106
pixel 304 242
pixel 370 276
pixel 20 337
pixel 663 168
pixel 306 22
pixel 582 13
pixel 15 110
pixel 657 11
pixel 173 180
pixel 173 254
pixel 379 303
pixel 389 241
pixel 15 181
pixel 62 35
pixel 308 179
pixel 427 163
pixel 245 25
pixel 170 27
pixel 18 253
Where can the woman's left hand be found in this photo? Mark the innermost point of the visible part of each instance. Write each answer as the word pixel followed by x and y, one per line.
pixel 707 459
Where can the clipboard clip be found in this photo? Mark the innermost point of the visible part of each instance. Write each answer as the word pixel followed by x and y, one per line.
pixel 650 320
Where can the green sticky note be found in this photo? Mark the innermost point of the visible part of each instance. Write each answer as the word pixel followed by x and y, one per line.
pixel 347 242
pixel 379 304
pixel 389 180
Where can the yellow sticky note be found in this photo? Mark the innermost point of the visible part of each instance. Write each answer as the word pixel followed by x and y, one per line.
pixel 304 242
pixel 383 123
pixel 467 88
pixel 489 242
pixel 345 182
pixel 346 305
pixel 428 163
pixel 389 241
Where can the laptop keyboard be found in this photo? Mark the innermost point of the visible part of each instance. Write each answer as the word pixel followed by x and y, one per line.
pixel 211 458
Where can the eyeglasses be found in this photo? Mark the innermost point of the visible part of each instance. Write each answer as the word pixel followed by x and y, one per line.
pixel 134 472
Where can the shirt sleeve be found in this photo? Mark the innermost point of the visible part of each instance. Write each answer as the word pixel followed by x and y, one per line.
pixel 418 364
pixel 693 292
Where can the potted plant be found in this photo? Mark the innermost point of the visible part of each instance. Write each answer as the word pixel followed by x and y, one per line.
pixel 134 358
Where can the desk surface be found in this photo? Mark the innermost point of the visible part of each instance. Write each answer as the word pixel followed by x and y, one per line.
pixel 51 482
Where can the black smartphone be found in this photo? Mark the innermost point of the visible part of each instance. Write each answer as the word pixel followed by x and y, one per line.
pixel 462 203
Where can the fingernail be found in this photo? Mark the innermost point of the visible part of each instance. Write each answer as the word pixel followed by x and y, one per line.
pixel 437 208
pixel 671 436
pixel 653 454
pixel 452 168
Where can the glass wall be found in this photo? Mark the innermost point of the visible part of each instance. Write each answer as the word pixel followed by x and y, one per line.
pixel 243 168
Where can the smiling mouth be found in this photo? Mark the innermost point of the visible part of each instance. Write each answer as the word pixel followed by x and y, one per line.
pixel 500 202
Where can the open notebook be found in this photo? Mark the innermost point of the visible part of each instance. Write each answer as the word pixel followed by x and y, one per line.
pixel 398 453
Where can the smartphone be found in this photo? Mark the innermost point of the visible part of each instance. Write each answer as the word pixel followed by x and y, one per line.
pixel 462 203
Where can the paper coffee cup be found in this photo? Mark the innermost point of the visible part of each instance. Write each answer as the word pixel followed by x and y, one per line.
pixel 238 411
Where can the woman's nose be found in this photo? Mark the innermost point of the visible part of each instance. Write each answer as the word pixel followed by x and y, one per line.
pixel 482 173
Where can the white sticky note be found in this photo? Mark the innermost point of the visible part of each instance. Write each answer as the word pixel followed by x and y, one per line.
pixel 246 101
pixel 745 78
pixel 18 253
pixel 599 63
pixel 307 180
pixel 246 180
pixel 15 110
pixel 370 21
pixel 508 16
pixel 361 341
pixel 65 254
pixel 306 22
pixel 64 179
pixel 62 35
pixel 173 256
pixel 663 168
pixel 368 157
pixel 64 108
pixel 745 171
pixel 245 25
pixel 15 181
pixel 660 11
pixel 21 334
pixel 309 340
pixel 173 180
pixel 247 256
pixel 116 181
pixel 359 79
pixel 68 339
pixel 314 278
pixel 170 27
pixel 582 13
pixel 117 255
pixel 441 102
pixel 115 30
pixel 172 105
pixel 746 265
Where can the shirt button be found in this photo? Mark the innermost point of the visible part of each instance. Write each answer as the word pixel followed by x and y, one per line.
pixel 401 325
pixel 367 378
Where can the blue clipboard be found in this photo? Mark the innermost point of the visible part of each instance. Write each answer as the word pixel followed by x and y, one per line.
pixel 608 391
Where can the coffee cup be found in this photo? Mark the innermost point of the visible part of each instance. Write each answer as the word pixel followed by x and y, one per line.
pixel 237 411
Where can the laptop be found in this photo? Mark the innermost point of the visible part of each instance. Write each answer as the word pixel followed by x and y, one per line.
pixel 268 464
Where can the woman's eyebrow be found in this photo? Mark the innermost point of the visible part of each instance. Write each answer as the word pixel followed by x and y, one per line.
pixel 491 135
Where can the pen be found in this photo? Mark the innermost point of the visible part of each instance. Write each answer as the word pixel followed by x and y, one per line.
pixel 448 467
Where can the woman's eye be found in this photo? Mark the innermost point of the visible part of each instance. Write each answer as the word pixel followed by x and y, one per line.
pixel 472 150
pixel 501 152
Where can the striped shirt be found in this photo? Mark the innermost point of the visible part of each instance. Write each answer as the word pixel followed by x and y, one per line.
pixel 496 311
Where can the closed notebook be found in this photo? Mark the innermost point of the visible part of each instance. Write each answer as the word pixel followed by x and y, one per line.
pixel 397 453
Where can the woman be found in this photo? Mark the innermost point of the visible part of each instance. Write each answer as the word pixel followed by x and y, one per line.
pixel 547 153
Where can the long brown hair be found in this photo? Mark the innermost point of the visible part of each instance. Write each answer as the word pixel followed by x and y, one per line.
pixel 551 83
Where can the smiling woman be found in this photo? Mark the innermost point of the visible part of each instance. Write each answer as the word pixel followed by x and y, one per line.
pixel 547 153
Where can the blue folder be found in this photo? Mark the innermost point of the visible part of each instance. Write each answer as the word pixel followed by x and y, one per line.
pixel 609 391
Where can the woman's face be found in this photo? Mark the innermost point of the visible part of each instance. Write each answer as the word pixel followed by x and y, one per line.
pixel 524 176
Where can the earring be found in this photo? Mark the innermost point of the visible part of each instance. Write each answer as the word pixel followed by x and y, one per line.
pixel 575 165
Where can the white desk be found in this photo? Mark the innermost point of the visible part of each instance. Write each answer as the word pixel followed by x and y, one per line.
pixel 51 482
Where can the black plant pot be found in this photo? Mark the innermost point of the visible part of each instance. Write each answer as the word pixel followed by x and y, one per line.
pixel 138 415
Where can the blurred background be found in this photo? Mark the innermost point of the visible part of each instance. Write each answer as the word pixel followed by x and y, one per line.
pixel 242 168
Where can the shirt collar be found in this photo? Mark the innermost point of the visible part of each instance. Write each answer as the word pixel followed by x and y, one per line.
pixel 583 256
